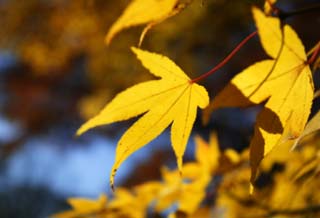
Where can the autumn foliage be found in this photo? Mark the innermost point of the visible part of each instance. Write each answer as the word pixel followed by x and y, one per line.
pixel 218 183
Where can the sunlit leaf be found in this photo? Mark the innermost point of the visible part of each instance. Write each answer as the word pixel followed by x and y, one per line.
pixel 285 81
pixel 171 100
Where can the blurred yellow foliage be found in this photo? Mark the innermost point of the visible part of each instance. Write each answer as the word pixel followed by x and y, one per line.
pixel 281 190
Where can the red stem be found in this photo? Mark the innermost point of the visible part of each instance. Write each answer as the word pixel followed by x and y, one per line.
pixel 225 60
pixel 314 55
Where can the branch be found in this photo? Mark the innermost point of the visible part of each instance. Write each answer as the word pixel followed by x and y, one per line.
pixel 314 54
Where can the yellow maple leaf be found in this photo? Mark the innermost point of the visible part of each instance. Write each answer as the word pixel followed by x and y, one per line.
pixel 141 12
pixel 285 81
pixel 172 99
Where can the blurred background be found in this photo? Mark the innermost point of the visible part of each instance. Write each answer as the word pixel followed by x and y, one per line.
pixel 56 72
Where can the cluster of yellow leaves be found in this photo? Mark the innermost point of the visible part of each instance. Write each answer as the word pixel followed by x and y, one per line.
pixel 186 191
pixel 281 119
pixel 286 188
pixel 173 100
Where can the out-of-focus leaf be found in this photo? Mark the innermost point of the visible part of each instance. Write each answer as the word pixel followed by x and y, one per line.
pixel 309 169
pixel 129 204
pixel 208 154
pixel 186 192
pixel 232 155
pixel 312 126
pixel 82 207
pixel 142 12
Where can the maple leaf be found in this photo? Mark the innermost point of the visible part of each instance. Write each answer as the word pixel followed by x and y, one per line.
pixel 285 81
pixel 172 99
pixel 140 12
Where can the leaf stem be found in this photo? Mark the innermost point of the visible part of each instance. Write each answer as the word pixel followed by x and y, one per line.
pixel 314 55
pixel 225 60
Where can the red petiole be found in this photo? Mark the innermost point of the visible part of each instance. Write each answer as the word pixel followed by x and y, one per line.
pixel 224 61
pixel 314 55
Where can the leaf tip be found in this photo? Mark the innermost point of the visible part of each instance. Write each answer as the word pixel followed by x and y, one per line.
pixel 134 49
pixel 257 13
pixel 91 123
pixel 111 33
pixel 79 132
pixel 85 127
pixel 107 40
pixel 251 189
